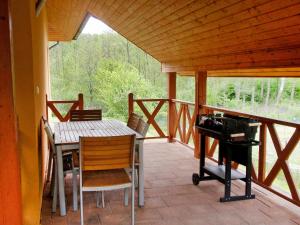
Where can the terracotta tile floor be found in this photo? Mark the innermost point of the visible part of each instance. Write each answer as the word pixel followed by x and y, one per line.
pixel 171 198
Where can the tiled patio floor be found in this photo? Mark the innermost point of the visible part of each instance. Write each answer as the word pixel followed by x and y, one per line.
pixel 171 198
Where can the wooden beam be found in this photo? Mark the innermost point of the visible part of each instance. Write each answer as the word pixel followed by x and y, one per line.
pixel 10 178
pixel 200 99
pixel 262 153
pixel 171 109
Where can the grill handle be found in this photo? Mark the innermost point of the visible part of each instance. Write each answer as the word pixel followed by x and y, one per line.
pixel 243 144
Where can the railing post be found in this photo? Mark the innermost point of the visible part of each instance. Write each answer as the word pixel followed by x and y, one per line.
pixel 130 104
pixel 171 107
pixel 80 101
pixel 200 99
pixel 262 153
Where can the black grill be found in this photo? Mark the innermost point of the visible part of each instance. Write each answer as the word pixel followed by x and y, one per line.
pixel 236 137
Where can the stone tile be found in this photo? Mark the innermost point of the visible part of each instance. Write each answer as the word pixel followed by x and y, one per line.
pixel 172 199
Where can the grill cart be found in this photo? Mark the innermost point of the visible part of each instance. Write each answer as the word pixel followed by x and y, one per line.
pixel 236 139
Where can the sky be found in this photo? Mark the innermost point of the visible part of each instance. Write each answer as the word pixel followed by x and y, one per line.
pixel 95 26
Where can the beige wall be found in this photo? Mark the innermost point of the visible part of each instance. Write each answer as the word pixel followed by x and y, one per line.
pixel 29 56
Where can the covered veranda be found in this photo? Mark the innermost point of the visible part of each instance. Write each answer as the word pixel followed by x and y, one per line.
pixel 199 38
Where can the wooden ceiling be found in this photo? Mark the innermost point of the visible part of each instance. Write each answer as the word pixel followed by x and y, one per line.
pixel 192 35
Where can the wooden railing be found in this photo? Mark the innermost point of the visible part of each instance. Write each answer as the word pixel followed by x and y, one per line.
pixel 150 116
pixel 184 114
pixel 74 104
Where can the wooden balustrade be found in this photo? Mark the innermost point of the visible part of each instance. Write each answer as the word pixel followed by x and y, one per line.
pixel 150 116
pixel 74 104
pixel 184 114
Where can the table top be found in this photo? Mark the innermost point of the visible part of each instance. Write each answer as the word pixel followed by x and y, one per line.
pixel 69 132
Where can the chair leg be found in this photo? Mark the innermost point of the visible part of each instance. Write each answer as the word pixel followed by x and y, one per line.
pixel 132 200
pixel 75 200
pixel 98 199
pixel 52 180
pixel 102 199
pixel 55 184
pixel 137 177
pixel 126 196
pixel 81 207
pixel 49 166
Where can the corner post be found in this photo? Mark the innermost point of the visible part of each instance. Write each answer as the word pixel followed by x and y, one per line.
pixel 200 100
pixel 171 111
pixel 80 101
pixel 130 104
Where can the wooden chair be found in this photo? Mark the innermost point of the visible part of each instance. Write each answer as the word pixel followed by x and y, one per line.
pixel 54 180
pixel 103 161
pixel 142 129
pixel 86 115
pixel 133 121
pixel 50 158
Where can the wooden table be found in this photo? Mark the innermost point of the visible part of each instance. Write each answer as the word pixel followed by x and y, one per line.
pixel 67 137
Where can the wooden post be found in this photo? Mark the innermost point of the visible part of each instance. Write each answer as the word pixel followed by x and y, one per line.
pixel 10 178
pixel 80 101
pixel 130 104
pixel 171 111
pixel 47 107
pixel 200 99
pixel 262 153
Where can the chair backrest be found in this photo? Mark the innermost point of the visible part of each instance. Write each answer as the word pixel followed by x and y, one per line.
pixel 105 153
pixel 133 121
pixel 142 127
pixel 86 115
pixel 50 135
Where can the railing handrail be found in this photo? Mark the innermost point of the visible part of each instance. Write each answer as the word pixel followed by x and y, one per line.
pixel 62 101
pixel 151 99
pixel 181 101
pixel 253 116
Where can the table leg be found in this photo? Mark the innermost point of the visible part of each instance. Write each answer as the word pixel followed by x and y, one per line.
pixel 141 173
pixel 61 187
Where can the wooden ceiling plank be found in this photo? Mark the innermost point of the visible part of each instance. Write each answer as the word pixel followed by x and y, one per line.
pixel 131 8
pixel 169 14
pixel 131 11
pixel 149 16
pixel 145 9
pixel 118 11
pixel 284 41
pixel 219 27
pixel 187 16
pixel 233 65
pixel 209 14
pixel 251 31
pixel 278 30
pixel 269 54
pixel 109 7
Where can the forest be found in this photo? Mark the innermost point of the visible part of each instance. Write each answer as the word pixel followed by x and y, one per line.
pixel 106 67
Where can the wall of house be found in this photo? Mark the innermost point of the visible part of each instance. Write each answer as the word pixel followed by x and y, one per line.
pixel 29 58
